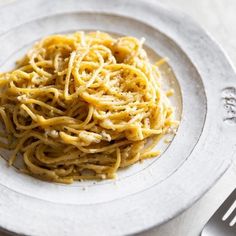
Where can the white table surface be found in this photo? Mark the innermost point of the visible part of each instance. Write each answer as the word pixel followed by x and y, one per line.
pixel 219 19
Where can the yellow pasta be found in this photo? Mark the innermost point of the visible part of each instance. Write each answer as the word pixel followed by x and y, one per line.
pixel 81 106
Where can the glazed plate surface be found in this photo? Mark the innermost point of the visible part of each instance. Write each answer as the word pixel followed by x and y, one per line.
pixel 156 190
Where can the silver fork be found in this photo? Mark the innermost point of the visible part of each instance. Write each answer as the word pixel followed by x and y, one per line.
pixel 223 222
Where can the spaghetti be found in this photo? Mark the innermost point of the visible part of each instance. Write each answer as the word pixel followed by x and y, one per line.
pixel 81 106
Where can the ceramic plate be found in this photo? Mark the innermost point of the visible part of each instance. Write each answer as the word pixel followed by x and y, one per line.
pixel 156 190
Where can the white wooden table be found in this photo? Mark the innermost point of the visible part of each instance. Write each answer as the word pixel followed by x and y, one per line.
pixel 219 19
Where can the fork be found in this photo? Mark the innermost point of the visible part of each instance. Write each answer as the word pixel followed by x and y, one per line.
pixel 223 222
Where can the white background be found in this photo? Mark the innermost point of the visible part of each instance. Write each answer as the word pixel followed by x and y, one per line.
pixel 218 17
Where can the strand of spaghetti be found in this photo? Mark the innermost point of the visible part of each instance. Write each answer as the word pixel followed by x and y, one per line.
pixel 97 168
pixel 31 146
pixel 67 80
pixel 143 78
pixel 131 161
pixel 40 71
pixel 150 154
pixel 83 105
pixel 16 150
pixel 6 120
pixel 64 172
pixel 29 112
pixel 79 62
pixel 20 126
pixel 48 160
pixel 38 170
pixel 118 160
pixel 21 74
pixel 43 104
pixel 24 138
pixel 73 140
pixel 55 120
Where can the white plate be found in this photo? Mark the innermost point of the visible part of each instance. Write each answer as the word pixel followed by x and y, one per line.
pixel 146 194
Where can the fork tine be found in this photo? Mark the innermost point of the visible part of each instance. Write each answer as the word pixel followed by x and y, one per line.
pixel 231 217
pixel 226 205
pixel 216 226
pixel 233 222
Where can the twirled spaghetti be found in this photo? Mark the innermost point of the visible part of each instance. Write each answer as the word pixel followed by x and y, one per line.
pixel 81 106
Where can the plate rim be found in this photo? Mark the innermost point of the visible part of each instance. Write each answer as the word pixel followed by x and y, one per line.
pixel 224 58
